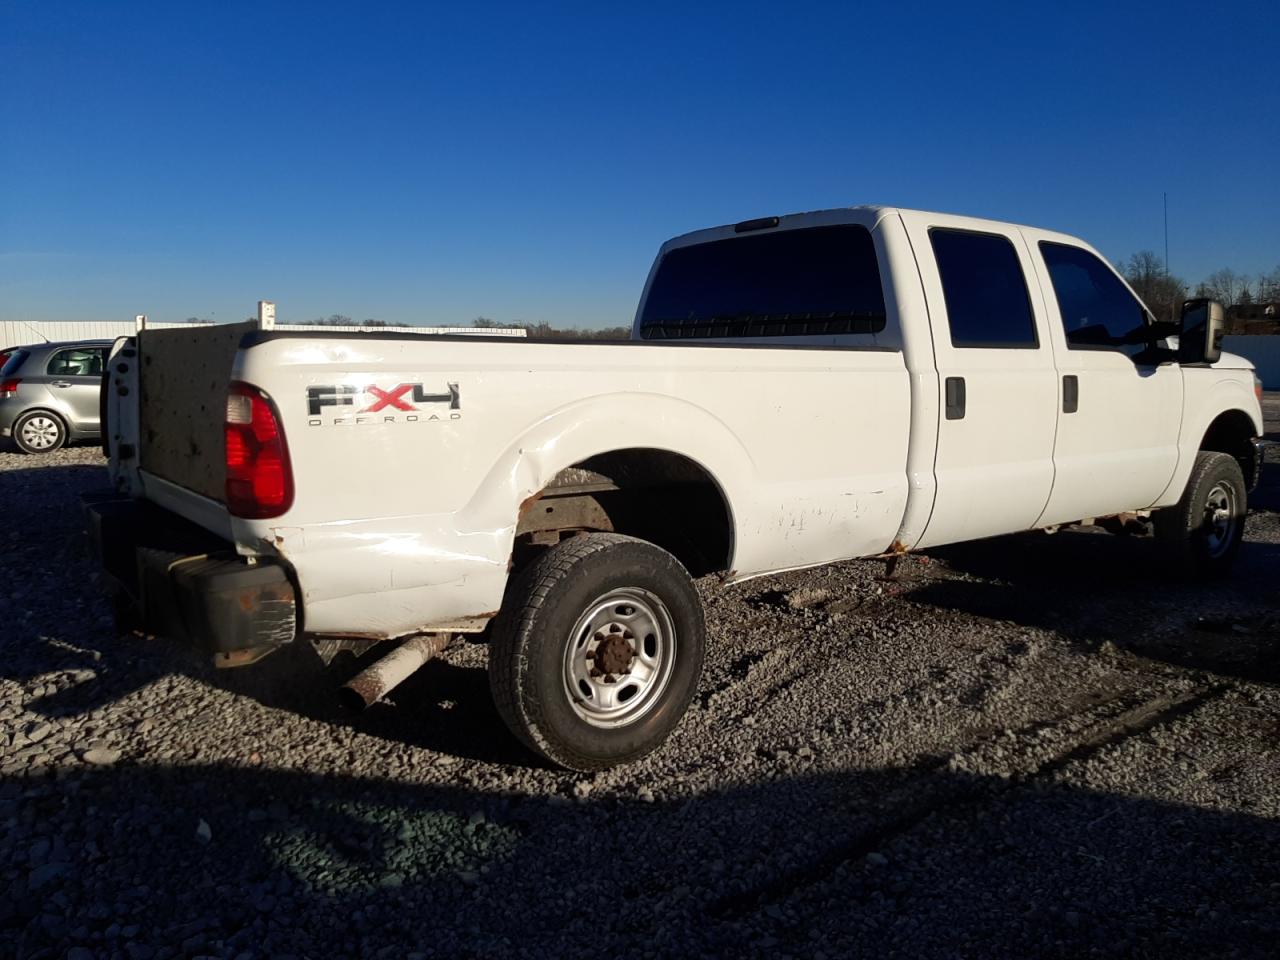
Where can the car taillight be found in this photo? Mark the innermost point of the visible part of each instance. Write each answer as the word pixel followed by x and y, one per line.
pixel 259 478
pixel 9 387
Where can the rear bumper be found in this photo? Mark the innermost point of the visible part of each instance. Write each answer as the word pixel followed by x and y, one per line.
pixel 186 585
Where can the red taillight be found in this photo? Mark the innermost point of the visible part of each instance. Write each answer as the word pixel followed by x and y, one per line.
pixel 9 387
pixel 259 479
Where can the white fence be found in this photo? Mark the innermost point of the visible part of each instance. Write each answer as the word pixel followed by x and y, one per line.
pixel 15 333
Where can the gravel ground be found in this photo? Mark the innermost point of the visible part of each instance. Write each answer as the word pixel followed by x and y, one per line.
pixel 1033 746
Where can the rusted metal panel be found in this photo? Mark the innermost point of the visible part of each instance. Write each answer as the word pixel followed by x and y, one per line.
pixel 184 378
pixel 562 513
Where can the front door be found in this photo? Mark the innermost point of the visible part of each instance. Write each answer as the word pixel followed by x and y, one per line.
pixel 1121 408
pixel 996 378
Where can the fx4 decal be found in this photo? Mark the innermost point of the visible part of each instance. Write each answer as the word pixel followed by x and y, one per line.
pixel 398 404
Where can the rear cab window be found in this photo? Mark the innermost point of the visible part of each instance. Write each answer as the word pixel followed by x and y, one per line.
pixel 988 305
pixel 801 282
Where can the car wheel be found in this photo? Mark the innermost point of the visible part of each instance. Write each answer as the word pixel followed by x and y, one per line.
pixel 1202 532
pixel 39 432
pixel 597 651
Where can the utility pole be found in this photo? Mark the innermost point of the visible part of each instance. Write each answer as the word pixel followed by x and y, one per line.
pixel 1166 234
pixel 1173 307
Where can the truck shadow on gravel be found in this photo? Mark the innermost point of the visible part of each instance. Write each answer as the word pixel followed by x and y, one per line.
pixel 445 708
pixel 1090 588
pixel 159 862
pixel 58 625
pixel 1096 589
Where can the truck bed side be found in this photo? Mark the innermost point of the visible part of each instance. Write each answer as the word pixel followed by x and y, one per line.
pixel 405 518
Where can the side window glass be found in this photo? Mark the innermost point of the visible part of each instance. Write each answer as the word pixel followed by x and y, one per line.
pixel 985 290
pixel 75 363
pixel 1098 311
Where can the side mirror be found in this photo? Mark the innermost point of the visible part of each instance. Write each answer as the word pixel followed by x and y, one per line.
pixel 1203 323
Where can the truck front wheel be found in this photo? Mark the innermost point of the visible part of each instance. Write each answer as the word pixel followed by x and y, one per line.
pixel 597 651
pixel 1202 531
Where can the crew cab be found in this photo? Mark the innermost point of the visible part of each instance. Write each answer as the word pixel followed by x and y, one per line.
pixel 798 390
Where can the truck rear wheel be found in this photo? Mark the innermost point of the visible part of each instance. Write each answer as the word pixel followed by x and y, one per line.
pixel 1202 531
pixel 597 651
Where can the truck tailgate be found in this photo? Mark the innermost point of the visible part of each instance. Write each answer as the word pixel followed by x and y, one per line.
pixel 183 380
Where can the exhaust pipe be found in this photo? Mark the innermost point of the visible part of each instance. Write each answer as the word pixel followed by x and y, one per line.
pixel 378 679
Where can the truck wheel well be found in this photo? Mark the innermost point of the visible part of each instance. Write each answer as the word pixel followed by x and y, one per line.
pixel 1230 433
pixel 654 495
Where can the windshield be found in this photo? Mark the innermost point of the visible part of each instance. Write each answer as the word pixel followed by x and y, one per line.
pixel 816 280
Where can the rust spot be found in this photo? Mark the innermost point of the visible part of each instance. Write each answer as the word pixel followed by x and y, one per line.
pixel 368 688
pixel 529 502
pixel 372 637
pixel 898 547
pixel 242 658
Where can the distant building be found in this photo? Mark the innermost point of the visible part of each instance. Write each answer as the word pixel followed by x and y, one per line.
pixel 1254 318
pixel 1256 311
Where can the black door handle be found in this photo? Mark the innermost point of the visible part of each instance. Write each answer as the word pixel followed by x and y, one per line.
pixel 955 398
pixel 1070 393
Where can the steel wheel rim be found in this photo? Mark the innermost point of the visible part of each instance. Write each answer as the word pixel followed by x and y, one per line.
pixel 40 433
pixel 619 657
pixel 1219 518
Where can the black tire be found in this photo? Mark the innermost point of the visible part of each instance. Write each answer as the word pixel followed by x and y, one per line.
pixel 52 428
pixel 1198 546
pixel 556 629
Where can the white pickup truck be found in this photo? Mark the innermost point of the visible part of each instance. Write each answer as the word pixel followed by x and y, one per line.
pixel 798 390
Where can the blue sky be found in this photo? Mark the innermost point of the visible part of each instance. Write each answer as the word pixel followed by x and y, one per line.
pixel 430 164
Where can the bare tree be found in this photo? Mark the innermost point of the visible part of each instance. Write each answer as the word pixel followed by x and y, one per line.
pixel 1160 291
pixel 1225 285
pixel 545 331
pixel 1269 286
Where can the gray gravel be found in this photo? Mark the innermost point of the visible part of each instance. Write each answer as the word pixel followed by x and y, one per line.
pixel 1033 746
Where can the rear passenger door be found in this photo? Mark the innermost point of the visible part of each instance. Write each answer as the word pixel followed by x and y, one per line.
pixel 996 378
pixel 75 379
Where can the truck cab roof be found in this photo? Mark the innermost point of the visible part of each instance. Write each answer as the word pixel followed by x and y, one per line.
pixel 867 214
